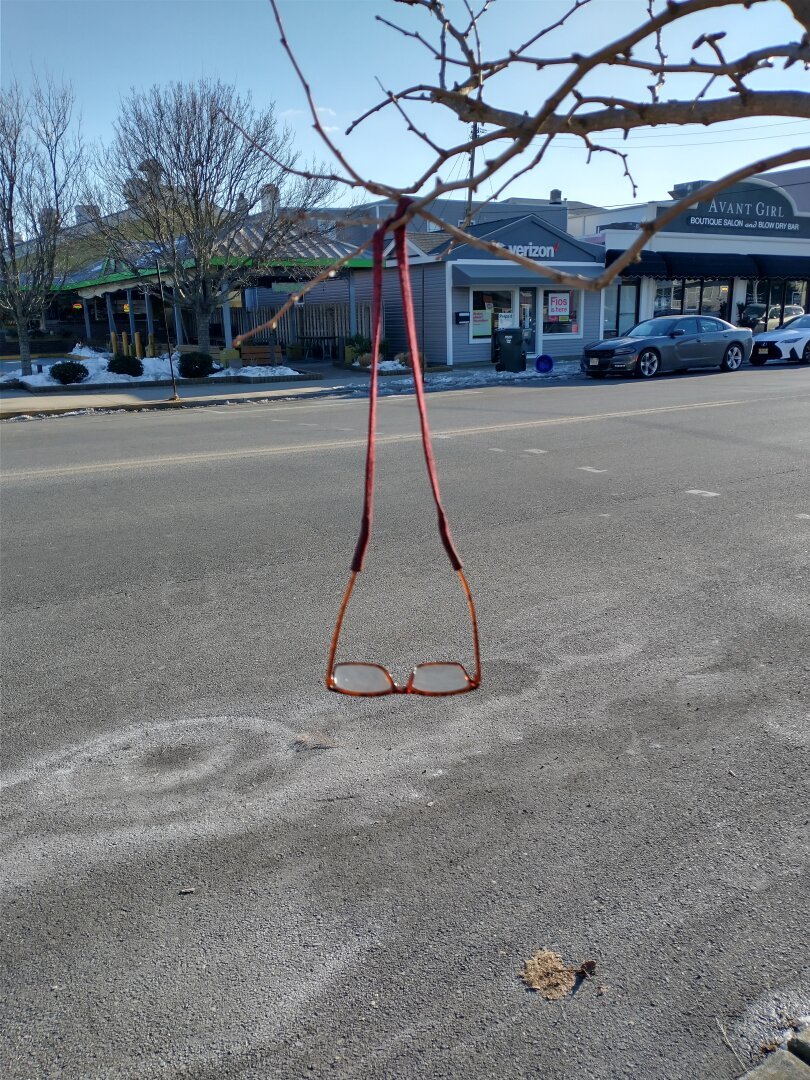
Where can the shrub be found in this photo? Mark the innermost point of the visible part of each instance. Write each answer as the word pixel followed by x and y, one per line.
pixel 359 343
pixel 69 371
pixel 121 364
pixel 195 365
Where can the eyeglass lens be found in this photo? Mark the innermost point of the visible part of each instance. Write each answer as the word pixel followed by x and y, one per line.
pixel 439 679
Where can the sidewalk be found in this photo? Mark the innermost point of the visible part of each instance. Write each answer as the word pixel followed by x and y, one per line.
pixel 16 402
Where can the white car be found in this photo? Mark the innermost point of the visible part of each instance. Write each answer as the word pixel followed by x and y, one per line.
pixel 789 342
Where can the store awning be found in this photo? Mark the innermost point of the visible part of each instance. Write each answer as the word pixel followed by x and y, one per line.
pixel 705 264
pixel 649 264
pixel 499 272
pixel 782 266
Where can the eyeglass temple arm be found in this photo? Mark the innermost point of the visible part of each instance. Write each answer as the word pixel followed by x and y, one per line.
pixel 416 364
pixel 336 635
pixel 371 445
pixel 476 649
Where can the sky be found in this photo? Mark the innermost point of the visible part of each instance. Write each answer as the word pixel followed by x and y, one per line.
pixel 104 48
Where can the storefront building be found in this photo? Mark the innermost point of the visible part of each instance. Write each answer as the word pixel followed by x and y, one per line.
pixel 461 293
pixel 743 255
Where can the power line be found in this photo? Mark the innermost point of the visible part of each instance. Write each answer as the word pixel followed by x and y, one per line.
pixel 670 134
pixel 667 146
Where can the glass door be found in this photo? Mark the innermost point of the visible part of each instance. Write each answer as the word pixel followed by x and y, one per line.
pixel 527 310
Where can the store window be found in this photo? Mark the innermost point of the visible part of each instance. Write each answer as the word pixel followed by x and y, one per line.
pixel 491 309
pixel 693 296
pixel 621 308
pixel 770 303
pixel 668 298
pixel 561 308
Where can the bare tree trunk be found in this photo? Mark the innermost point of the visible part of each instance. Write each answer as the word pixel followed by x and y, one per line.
pixel 204 331
pixel 25 347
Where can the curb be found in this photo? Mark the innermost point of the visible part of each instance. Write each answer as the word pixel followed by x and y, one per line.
pixel 80 388
pixel 294 393
pixel 790 1064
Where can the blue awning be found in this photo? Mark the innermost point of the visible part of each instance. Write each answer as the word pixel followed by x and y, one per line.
pixel 648 264
pixel 688 264
pixel 707 264
pixel 783 266
pixel 500 272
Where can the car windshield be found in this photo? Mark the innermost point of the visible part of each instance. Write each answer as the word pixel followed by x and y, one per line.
pixel 801 322
pixel 652 328
pixel 755 309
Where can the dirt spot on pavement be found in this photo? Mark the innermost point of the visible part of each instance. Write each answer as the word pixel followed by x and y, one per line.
pixel 548 974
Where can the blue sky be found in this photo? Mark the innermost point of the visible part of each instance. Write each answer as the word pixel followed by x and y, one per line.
pixel 104 47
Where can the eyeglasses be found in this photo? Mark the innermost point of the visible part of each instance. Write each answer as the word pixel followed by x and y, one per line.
pixel 435 678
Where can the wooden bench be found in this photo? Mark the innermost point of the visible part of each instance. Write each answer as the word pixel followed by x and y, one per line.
pixel 260 355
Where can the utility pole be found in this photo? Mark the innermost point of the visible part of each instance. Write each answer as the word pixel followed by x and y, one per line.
pixel 473 139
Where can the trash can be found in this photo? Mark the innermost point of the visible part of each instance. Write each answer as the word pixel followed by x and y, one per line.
pixel 508 353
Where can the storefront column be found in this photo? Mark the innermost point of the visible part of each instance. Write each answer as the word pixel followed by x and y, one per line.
pixel 131 315
pixel 110 318
pixel 86 313
pixel 738 294
pixel 352 305
pixel 226 325
pixel 178 324
pixel 150 318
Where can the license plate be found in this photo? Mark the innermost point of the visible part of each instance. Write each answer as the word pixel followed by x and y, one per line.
pixel 763 350
pixel 594 361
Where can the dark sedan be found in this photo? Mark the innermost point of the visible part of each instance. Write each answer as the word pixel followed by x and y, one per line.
pixel 670 343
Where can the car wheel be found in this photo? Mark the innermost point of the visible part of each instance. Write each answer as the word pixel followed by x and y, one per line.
pixel 758 361
pixel 806 353
pixel 733 358
pixel 648 364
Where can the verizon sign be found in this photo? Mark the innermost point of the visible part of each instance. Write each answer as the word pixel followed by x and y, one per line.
pixel 533 251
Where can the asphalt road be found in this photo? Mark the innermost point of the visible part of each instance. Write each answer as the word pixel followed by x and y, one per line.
pixel 629 785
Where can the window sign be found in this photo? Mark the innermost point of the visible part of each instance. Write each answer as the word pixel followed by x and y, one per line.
pixel 561 310
pixel 482 322
pixel 490 309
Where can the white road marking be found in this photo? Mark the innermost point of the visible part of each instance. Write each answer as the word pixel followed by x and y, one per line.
pixel 442 436
pixel 705 494
pixel 588 468
pixel 535 451
pixel 494 449
pixel 604 515
pixel 804 517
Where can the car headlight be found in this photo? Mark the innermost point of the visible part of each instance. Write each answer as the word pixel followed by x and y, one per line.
pixel 625 350
pixel 789 340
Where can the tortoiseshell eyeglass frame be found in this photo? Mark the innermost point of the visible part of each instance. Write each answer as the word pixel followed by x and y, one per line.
pixel 391 687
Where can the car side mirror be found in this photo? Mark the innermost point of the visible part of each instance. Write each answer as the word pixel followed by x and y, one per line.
pixel 678 332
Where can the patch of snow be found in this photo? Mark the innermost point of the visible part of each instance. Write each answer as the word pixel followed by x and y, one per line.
pixel 154 367
pixel 84 351
pixel 257 371
pixel 392 365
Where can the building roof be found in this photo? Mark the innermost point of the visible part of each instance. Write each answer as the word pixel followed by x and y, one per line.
pixel 491 230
